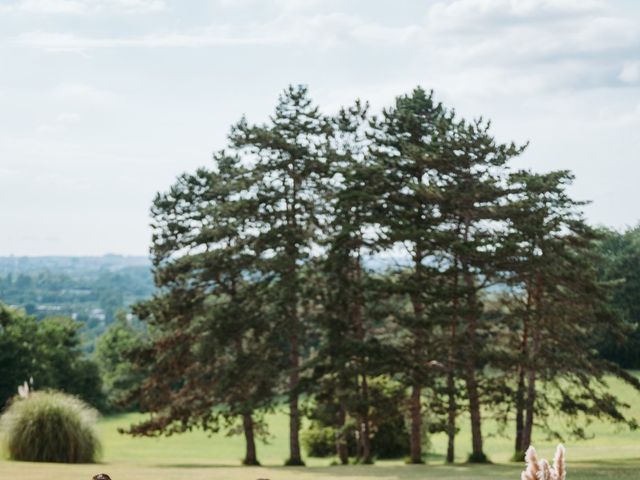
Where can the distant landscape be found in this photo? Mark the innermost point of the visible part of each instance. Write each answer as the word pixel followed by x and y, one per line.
pixel 91 290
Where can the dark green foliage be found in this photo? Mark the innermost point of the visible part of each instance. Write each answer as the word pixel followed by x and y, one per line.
pixel 620 267
pixel 388 425
pixel 320 441
pixel 47 351
pixel 391 438
pixel 113 353
pixel 17 353
pixel 50 427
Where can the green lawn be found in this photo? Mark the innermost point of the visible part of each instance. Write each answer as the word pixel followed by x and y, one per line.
pixel 612 453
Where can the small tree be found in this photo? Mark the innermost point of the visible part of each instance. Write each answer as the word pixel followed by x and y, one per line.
pixel 113 357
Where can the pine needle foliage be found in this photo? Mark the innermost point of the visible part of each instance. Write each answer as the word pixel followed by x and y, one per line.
pixel 50 427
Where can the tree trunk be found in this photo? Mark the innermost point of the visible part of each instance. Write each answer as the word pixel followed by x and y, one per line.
pixel 452 408
pixel 529 406
pixel 250 457
pixel 519 444
pixel 415 440
pixel 292 291
pixel 520 447
pixel 477 453
pixel 416 425
pixel 342 448
pixel 532 365
pixel 451 417
pixel 365 432
pixel 294 415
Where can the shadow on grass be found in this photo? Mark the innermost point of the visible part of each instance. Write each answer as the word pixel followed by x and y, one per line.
pixel 613 464
pixel 376 470
pixel 206 465
pixel 622 469
pixel 466 471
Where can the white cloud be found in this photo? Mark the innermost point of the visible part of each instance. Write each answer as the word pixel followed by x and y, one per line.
pixel 68 117
pixel 85 95
pixel 283 5
pixel 630 72
pixel 521 45
pixel 528 46
pixel 60 124
pixel 324 31
pixel 480 14
pixel 83 7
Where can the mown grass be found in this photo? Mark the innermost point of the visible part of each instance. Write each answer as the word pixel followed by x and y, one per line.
pixel 612 453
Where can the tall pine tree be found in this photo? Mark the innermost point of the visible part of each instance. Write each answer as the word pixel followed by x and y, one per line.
pixel 470 180
pixel 406 144
pixel 289 159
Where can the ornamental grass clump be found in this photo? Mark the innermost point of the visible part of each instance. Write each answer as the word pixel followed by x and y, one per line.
pixel 50 427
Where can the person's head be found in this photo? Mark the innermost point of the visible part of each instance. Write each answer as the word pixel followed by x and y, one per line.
pixel 102 476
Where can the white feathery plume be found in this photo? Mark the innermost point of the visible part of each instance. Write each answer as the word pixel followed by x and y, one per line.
pixel 531 473
pixel 559 467
pixel 23 390
pixel 539 469
pixel 545 470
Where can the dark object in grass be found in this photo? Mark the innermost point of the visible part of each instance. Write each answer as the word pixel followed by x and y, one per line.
pixel 102 476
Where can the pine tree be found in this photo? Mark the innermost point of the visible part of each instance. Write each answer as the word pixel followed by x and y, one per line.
pixel 470 182
pixel 557 302
pixel 406 143
pixel 352 350
pixel 289 160
pixel 206 317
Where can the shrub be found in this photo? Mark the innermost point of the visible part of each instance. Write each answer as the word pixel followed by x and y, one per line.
pixel 391 439
pixel 389 432
pixel 50 427
pixel 320 441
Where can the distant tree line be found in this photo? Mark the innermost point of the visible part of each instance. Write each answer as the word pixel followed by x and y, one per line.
pixel 91 294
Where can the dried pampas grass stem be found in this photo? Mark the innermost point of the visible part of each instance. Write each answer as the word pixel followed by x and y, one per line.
pixel 539 469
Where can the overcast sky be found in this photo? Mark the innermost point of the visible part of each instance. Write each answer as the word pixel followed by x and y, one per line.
pixel 104 102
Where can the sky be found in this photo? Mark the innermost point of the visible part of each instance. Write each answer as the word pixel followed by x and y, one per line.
pixel 104 102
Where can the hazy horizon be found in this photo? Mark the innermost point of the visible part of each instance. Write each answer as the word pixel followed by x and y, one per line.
pixel 104 102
